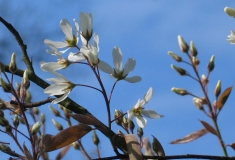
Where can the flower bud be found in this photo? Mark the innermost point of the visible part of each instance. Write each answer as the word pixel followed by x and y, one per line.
pixel 218 88
pixel 140 132
pixel 76 145
pixel 4 122
pixel 8 129
pixel 6 149
pixel 198 103
pixel 118 117
pixel 120 132
pixel 125 122
pixel 193 49
pixel 211 64
pixel 181 71
pixel 2 67
pixel 1 113
pixel 35 110
pixel 16 121
pixel 95 138
pixel 57 125
pixel 21 120
pixel 6 87
pixel 204 79
pixel 175 56
pixel 230 11
pixel 195 61
pixel 25 81
pixel 12 66
pixel 183 45
pixel 179 91
pixel 35 128
pixel 42 119
pixel 54 111
pixel 131 125
pixel 28 97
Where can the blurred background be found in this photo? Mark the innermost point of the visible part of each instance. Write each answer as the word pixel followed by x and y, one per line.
pixel 146 31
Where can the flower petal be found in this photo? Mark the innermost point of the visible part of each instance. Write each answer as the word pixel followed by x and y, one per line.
pixel 130 114
pixel 66 28
pixel 52 65
pixel 151 114
pixel 105 67
pixel 141 121
pixel 133 79
pixel 56 89
pixel 57 100
pixel 129 66
pixel 96 42
pixel 147 97
pixel 231 37
pixel 55 43
pixel 76 57
pixel 117 59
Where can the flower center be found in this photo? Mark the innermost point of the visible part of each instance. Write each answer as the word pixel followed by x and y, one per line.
pixel 138 111
pixel 72 42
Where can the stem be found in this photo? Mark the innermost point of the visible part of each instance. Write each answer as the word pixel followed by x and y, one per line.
pixel 111 93
pixel 83 149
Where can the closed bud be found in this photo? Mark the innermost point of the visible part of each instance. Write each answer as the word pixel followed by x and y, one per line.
pixel 35 128
pixel 120 132
pixel 125 122
pixel 57 125
pixel 42 119
pixel 230 11
pixel 195 61
pixel 183 45
pixel 131 125
pixel 181 71
pixel 76 145
pixel 175 56
pixel 6 87
pixel 35 110
pixel 25 80
pixel 28 97
pixel 95 138
pixel 193 49
pixel 118 117
pixel 1 113
pixel 140 132
pixel 2 67
pixel 21 120
pixel 204 79
pixel 179 91
pixel 55 112
pixel 199 103
pixel 66 113
pixel 6 149
pixel 16 121
pixel 4 122
pixel 211 64
pixel 12 66
pixel 218 88
pixel 8 129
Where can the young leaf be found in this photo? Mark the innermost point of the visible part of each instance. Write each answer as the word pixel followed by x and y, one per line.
pixel 27 153
pixel 209 127
pixel 63 152
pixel 50 143
pixel 232 146
pixel 191 137
pixel 157 147
pixel 133 147
pixel 223 98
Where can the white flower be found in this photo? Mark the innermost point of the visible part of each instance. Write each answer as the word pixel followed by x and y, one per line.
pixel 138 110
pixel 71 40
pixel 61 86
pixel 231 37
pixel 87 52
pixel 118 72
pixel 86 22
pixel 61 64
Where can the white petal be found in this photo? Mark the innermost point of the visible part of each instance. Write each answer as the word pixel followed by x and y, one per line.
pixel 147 97
pixel 105 67
pixel 76 26
pixel 130 114
pixel 141 121
pixel 133 79
pixel 76 57
pixel 151 114
pixel 66 28
pixel 86 21
pixel 137 104
pixel 55 43
pixel 52 65
pixel 84 41
pixel 56 89
pixel 96 42
pixel 129 66
pixel 57 100
pixel 117 58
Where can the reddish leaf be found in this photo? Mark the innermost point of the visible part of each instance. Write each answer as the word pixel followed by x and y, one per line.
pixel 50 143
pixel 133 147
pixel 62 152
pixel 27 153
pixel 209 127
pixel 191 137
pixel 232 146
pixel 157 147
pixel 223 98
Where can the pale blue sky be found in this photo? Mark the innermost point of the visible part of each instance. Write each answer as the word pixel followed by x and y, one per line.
pixel 146 31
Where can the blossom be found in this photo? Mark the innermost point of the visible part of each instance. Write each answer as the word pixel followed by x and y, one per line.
pixel 71 40
pixel 138 110
pixel 86 22
pixel 231 37
pixel 61 64
pixel 61 86
pixel 88 52
pixel 118 72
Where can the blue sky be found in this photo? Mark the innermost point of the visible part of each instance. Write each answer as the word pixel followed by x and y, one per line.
pixel 146 31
